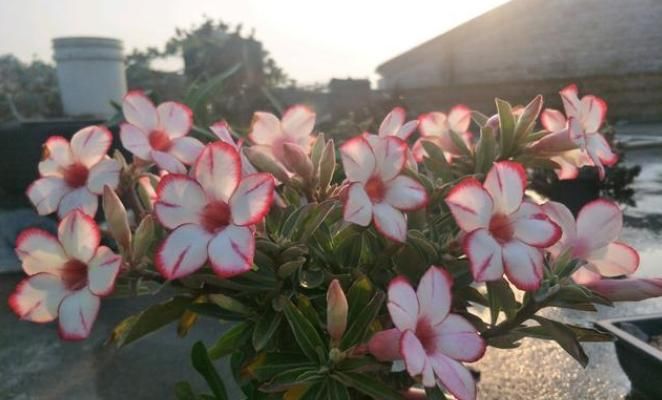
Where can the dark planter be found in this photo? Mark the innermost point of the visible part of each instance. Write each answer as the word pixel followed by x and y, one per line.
pixel 641 362
pixel 576 193
pixel 21 150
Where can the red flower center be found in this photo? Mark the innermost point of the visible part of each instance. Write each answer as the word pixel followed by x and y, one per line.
pixel 75 175
pixel 74 274
pixel 376 189
pixel 426 335
pixel 216 215
pixel 159 140
pixel 501 228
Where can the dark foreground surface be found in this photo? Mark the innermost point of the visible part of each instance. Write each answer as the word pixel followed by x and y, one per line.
pixel 34 364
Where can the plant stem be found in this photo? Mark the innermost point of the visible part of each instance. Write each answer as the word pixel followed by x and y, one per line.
pixel 526 312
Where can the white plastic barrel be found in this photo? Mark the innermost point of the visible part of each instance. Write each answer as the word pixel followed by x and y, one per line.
pixel 91 74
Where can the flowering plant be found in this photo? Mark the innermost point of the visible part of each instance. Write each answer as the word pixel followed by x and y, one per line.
pixel 378 273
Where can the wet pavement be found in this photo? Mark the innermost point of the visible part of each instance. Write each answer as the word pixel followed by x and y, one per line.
pixel 35 365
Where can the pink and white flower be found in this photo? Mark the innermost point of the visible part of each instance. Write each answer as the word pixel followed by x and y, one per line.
pixel 158 134
pixel 212 215
pixel 394 125
pixel 437 127
pixel 270 134
pixel 73 174
pixel 578 138
pixel 377 191
pixel 67 275
pixel 503 232
pixel 222 130
pixel 432 341
pixel 593 237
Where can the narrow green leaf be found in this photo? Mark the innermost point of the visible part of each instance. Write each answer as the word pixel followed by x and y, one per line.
pixel 153 318
pixel 436 161
pixel 485 150
pixel 565 337
pixel 317 216
pixel 358 329
pixel 184 391
pixel 265 328
pixel 316 151
pixel 434 393
pixel 229 303
pixel 272 364
pixel 358 296
pixel 327 165
pixel 336 390
pixel 459 143
pixel 479 118
pixel 367 385
pixel 205 367
pixel 291 377
pixel 305 333
pixel 506 127
pixel 231 340
pixel 527 120
pixel 501 298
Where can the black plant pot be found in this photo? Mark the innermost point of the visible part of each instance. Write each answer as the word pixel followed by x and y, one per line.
pixel 21 150
pixel 641 362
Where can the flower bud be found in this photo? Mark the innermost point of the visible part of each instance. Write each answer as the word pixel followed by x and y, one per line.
pixel 118 222
pixel 296 160
pixel 385 345
pixel 266 163
pixel 627 289
pixel 336 310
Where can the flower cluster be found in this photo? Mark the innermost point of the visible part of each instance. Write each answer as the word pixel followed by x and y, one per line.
pixel 392 247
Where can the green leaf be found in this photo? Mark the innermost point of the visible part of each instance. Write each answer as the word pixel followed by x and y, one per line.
pixel 153 318
pixel 436 161
pixel 316 151
pixel 336 390
pixel 358 329
pixel 316 217
pixel 294 220
pixel 184 391
pixel 527 120
pixel 265 328
pixel 143 238
pixel 367 385
pixel 485 150
pixel 501 298
pixel 327 165
pixel 231 340
pixel 213 311
pixel 506 127
pixel 269 365
pixel 305 333
pixel 291 377
pixel 229 303
pixel 565 337
pixel 460 144
pixel 205 367
pixel 358 296
pixel 479 118
pixel 582 334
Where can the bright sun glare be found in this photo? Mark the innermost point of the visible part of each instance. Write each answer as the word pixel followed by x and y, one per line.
pixel 312 40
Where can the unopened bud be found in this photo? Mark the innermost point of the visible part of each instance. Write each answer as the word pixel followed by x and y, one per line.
pixel 118 222
pixel 266 163
pixel 296 160
pixel 336 310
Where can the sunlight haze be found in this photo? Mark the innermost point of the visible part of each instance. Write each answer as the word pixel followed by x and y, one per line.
pixel 312 41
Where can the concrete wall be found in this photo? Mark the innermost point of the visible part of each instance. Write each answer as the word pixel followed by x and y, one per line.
pixel 538 40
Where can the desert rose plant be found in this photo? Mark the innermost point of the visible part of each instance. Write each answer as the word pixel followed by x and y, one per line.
pixel 380 268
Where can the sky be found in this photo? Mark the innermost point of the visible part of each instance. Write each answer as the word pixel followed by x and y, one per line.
pixel 313 41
